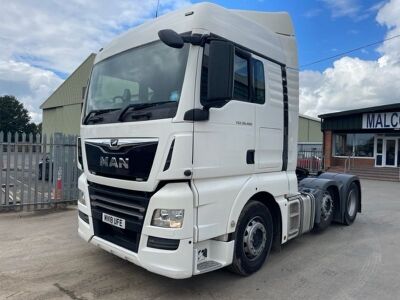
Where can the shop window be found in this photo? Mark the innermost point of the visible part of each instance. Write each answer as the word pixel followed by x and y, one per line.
pixel 364 145
pixel 359 144
pixel 343 145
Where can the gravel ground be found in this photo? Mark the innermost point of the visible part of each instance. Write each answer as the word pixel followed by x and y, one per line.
pixel 42 257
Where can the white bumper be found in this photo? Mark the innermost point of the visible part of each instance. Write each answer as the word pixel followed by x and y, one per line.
pixel 171 263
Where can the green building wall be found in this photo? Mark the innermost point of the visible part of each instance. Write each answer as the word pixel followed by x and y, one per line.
pixel 64 119
pixel 309 130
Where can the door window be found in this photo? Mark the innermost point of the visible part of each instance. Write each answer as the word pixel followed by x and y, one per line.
pixel 246 87
pixel 379 152
pixel 390 152
pixel 398 152
pixel 241 78
pixel 259 82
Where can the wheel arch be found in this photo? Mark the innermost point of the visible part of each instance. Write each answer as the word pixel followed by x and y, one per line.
pixel 358 183
pixel 270 202
pixel 316 186
pixel 343 183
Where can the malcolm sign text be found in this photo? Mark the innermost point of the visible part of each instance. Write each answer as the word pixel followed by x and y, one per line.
pixel 381 120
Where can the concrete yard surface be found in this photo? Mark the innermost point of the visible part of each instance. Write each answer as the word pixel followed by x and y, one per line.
pixel 42 257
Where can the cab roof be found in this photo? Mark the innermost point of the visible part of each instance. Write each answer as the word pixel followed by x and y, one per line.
pixel 270 34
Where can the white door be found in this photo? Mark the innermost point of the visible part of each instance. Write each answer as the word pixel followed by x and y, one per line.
pixel 269 117
pixel 224 145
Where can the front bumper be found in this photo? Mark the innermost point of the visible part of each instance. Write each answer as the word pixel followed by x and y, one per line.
pixel 171 263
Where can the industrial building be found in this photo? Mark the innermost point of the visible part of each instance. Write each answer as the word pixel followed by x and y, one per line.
pixel 62 110
pixel 365 142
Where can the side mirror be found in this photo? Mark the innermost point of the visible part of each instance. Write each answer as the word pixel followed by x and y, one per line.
pixel 171 38
pixel 220 72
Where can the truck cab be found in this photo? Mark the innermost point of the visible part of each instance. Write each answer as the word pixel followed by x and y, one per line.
pixel 188 145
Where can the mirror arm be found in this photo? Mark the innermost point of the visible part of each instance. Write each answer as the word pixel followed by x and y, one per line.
pixel 195 39
pixel 197 114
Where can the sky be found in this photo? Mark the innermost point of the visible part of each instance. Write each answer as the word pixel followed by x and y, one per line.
pixel 42 42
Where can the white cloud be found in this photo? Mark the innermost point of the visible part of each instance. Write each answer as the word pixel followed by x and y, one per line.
pixel 341 8
pixel 38 36
pixel 29 84
pixel 355 83
pixel 312 13
pixel 58 35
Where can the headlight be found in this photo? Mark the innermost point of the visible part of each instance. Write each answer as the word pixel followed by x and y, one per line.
pixel 81 198
pixel 168 218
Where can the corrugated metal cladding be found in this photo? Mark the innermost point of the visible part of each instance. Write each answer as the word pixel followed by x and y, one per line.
pixel 71 90
pixel 351 122
pixel 64 119
pixel 309 130
pixel 62 110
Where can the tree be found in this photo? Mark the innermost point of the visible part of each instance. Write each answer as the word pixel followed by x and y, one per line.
pixel 14 116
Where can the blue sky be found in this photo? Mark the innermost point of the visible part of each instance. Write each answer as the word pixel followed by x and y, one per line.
pixel 320 31
pixel 42 42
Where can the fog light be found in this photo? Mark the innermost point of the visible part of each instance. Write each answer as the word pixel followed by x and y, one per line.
pixel 168 218
pixel 81 198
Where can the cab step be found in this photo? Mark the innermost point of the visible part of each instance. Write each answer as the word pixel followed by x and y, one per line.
pixel 207 266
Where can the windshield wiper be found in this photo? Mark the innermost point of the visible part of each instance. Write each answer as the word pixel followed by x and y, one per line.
pixel 96 112
pixel 139 106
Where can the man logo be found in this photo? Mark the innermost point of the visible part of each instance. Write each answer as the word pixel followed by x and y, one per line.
pixel 114 142
pixel 113 162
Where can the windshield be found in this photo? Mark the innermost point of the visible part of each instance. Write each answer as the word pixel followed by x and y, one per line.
pixel 140 77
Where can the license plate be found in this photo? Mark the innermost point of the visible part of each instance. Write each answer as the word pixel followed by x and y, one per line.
pixel 114 221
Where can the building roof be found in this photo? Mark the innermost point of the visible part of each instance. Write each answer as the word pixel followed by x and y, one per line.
pixel 70 91
pixel 309 118
pixel 352 120
pixel 387 107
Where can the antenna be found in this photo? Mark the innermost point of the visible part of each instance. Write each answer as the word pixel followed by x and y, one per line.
pixel 158 3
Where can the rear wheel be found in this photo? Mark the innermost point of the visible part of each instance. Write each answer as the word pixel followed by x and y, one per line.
pixel 253 239
pixel 352 202
pixel 327 211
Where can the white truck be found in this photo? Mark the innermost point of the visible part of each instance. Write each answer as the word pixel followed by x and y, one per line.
pixel 189 145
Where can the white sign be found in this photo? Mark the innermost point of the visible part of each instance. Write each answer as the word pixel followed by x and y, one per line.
pixel 388 120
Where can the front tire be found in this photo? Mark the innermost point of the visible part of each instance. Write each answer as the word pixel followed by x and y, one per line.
pixel 253 239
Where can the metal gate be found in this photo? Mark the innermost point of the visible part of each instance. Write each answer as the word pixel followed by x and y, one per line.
pixel 311 160
pixel 37 171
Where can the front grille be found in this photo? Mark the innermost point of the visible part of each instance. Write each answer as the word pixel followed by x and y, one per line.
pixel 129 161
pixel 126 204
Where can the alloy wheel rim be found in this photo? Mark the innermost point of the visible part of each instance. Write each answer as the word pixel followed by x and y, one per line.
pixel 254 238
pixel 326 206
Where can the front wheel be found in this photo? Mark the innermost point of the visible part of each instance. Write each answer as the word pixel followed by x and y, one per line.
pixel 253 239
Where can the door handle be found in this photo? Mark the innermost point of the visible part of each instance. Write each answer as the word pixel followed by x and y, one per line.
pixel 250 156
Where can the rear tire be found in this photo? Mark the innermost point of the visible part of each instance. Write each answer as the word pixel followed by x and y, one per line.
pixel 352 204
pixel 327 211
pixel 253 239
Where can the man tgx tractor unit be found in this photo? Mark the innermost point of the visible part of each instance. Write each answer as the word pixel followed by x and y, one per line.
pixel 189 145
